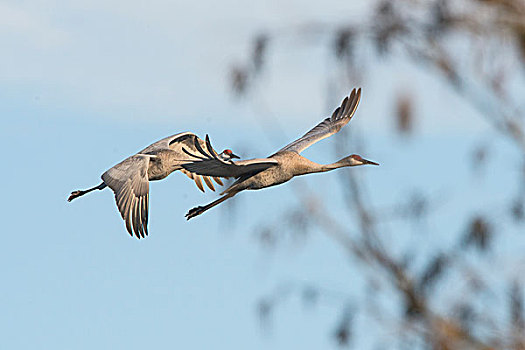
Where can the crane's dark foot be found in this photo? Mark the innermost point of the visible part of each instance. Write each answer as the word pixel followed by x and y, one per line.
pixel 79 193
pixel 194 212
pixel 75 194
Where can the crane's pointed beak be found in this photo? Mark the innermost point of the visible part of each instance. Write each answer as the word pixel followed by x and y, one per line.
pixel 366 161
pixel 234 156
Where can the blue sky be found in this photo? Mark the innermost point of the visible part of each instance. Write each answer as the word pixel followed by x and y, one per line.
pixel 85 84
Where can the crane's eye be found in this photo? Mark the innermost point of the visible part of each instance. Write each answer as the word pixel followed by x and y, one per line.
pixel 356 157
pixel 228 151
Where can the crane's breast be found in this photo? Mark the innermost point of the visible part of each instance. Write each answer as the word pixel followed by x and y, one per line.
pixel 273 176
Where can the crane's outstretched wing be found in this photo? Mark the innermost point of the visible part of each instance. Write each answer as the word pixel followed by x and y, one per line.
pixel 220 168
pixel 329 126
pixel 175 143
pixel 211 165
pixel 169 142
pixel 129 180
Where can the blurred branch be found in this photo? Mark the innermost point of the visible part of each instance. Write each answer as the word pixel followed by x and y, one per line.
pixel 444 332
pixel 476 23
pixel 427 33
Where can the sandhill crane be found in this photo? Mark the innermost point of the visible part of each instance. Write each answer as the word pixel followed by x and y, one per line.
pixel 282 166
pixel 130 178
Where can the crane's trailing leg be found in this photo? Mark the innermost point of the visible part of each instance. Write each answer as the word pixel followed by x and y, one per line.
pixel 79 193
pixel 201 209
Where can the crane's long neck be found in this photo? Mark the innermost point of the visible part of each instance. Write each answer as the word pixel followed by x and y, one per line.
pixel 312 167
pixel 339 164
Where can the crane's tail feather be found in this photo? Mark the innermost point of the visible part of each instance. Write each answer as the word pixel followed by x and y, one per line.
pixel 198 180
pixel 208 183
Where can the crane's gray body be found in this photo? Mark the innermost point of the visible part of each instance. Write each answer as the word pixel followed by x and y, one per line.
pixel 255 174
pixel 289 164
pixel 129 179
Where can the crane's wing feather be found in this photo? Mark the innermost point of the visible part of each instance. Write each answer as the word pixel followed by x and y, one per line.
pixel 166 143
pixel 329 126
pixel 219 168
pixel 175 143
pixel 129 182
pixel 209 164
